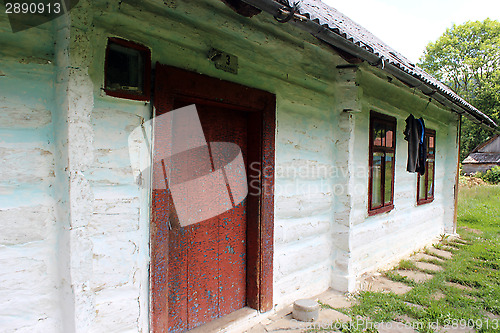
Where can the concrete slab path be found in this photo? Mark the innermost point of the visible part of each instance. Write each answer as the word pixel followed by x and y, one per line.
pixel 330 318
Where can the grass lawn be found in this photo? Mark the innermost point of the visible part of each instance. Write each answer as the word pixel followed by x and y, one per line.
pixel 466 292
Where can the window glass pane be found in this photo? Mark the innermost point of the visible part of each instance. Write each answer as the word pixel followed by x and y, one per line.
pixel 378 134
pixel 430 177
pixel 430 145
pixel 377 180
pixel 125 69
pixel 421 189
pixel 389 170
pixel 389 135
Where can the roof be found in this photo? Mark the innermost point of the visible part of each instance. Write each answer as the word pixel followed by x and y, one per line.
pixel 330 18
pixel 325 15
pixel 484 144
pixel 483 158
pixel 486 153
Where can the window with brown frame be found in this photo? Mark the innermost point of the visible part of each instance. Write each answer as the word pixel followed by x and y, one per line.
pixel 425 183
pixel 382 156
pixel 127 70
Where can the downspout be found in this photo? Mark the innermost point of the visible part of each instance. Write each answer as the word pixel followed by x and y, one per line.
pixel 325 34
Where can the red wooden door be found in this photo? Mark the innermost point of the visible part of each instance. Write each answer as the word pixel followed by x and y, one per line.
pixel 206 270
pixel 207 260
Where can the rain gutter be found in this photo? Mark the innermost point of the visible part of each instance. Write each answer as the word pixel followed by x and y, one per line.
pixel 363 52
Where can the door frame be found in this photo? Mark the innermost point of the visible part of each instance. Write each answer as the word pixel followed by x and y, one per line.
pixel 173 83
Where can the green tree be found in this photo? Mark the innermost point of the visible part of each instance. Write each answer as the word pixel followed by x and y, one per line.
pixel 467 58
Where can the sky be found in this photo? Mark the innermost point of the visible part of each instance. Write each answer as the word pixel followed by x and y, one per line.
pixel 409 25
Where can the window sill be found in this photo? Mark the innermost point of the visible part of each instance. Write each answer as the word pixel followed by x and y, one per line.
pixel 381 210
pixel 424 202
pixel 126 95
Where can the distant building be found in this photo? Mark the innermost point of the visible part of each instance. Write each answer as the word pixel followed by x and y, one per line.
pixel 483 157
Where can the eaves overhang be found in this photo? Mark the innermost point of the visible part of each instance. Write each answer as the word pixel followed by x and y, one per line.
pixel 336 29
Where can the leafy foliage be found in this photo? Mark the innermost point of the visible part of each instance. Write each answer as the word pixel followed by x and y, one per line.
pixel 467 58
pixel 491 176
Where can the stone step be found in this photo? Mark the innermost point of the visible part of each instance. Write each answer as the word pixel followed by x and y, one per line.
pixel 451 329
pixel 428 266
pixel 383 284
pixel 441 253
pixel 395 327
pixel 459 286
pixel 331 316
pixel 305 310
pixel 336 299
pixel 424 256
pixel 415 276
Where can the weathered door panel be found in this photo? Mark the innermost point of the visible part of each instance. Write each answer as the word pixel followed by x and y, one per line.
pixel 178 241
pixel 203 271
pixel 232 254
pixel 207 260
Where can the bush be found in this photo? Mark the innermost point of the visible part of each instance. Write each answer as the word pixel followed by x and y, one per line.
pixel 491 176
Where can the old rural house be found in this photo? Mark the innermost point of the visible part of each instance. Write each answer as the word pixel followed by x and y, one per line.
pixel 316 106
pixel 483 157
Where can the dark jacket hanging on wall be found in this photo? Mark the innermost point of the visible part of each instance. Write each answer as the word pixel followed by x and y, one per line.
pixel 417 151
pixel 422 148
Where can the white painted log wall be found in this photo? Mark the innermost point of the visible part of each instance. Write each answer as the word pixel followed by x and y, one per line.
pixel 29 280
pixel 119 226
pixel 382 240
pixel 303 202
pixel 109 257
